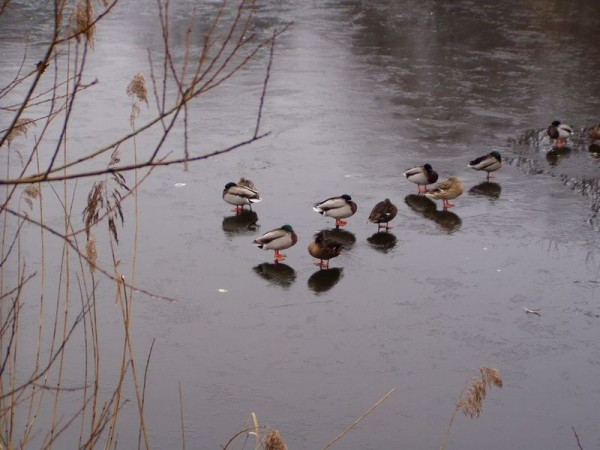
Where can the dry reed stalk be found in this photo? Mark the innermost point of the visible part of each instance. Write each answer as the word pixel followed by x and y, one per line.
pixel 473 395
pixel 180 413
pixel 256 429
pixel 357 421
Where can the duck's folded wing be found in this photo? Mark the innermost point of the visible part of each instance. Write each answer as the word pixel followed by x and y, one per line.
pixel 330 203
pixel 244 192
pixel 270 236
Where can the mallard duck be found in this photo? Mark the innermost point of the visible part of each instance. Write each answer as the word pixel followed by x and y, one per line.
pixel 559 132
pixel 422 176
pixel 324 249
pixel 240 195
pixel 277 239
pixel 340 208
pixel 489 163
pixel 446 190
pixel 382 213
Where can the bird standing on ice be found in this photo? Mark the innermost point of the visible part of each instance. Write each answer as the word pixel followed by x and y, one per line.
pixel 243 193
pixel 277 239
pixel 324 249
pixel 446 191
pixel 339 208
pixel 382 213
pixel 422 176
pixel 488 163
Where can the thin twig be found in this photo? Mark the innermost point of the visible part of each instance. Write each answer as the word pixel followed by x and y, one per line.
pixel 576 437
pixel 86 259
pixel 356 422
pixel 130 167
pixel 182 418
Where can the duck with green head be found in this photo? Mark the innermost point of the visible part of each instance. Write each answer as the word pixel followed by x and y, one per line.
pixel 240 195
pixel 277 239
pixel 559 132
pixel 421 176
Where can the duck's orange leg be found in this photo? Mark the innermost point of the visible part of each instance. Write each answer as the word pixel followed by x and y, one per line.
pixel 340 223
pixel 279 256
pixel 447 204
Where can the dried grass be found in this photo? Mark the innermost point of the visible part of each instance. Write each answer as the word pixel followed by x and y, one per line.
pixel 95 203
pixel 274 441
pixel 82 21
pixel 31 193
pixel 91 251
pixel 137 88
pixel 471 402
pixel 20 129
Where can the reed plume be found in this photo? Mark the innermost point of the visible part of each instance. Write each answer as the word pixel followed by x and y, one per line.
pixel 91 251
pixel 30 193
pixel 137 88
pixel 274 441
pixel 470 402
pixel 20 129
pixel 82 21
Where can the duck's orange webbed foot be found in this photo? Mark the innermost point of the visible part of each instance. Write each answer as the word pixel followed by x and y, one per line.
pixel 340 223
pixel 447 204
pixel 279 256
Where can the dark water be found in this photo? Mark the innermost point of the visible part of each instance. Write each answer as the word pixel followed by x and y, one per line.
pixel 360 92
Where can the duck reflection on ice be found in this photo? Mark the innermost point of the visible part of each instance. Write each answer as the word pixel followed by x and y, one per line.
pixel 243 223
pixel 557 154
pixel 383 241
pixel 427 208
pixel 279 274
pixel 486 189
pixel 343 237
pixel 324 279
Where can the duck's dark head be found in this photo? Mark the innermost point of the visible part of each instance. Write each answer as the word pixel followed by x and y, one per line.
pixel 230 185
pixel 556 123
pixel 346 197
pixel 287 228
pixel 428 168
pixel 496 155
